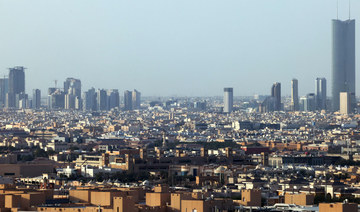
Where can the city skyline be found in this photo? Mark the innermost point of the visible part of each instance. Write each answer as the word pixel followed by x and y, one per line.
pixel 138 57
pixel 79 91
pixel 129 106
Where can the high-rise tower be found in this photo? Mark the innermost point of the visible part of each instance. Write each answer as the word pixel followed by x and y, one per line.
pixel 113 99
pixel 4 89
pixel 16 85
pixel 127 100
pixel 72 86
pixel 320 92
pixel 228 100
pixel 101 98
pixel 294 95
pixel 72 90
pixel 345 103
pixel 90 103
pixel 136 99
pixel 343 61
pixel 276 93
pixel 36 100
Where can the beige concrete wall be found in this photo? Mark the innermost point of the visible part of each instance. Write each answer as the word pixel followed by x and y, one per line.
pixel 79 195
pixel 338 207
pixel 157 199
pixel 190 205
pixel 299 199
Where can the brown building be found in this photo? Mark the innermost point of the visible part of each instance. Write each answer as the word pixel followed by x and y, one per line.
pixel 14 200
pixel 299 199
pixel 338 207
pixel 250 197
pixel 160 196
pixel 91 199
pixel 124 204
pixel 194 205
pixel 25 170
pixel 176 199
pixel 80 195
pixel 207 205
pixel 96 198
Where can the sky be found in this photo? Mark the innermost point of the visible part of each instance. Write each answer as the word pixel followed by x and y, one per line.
pixel 172 47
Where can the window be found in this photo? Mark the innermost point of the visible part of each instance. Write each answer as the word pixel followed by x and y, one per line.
pixel 9 174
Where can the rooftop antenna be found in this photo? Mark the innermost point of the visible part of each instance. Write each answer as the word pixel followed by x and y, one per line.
pixel 349 8
pixel 337 9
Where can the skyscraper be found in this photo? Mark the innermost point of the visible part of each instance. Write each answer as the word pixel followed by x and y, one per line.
pixel 78 103
pixel 267 105
pixel 308 102
pixel 101 99
pixel 4 88
pixel 294 95
pixel 320 92
pixel 276 93
pixel 36 101
pixel 90 103
pixel 311 102
pixel 72 86
pixel 113 99
pixel 343 61
pixel 16 85
pixel 72 90
pixel 56 98
pixel 69 101
pixel 136 99
pixel 228 100
pixel 127 100
pixel 22 101
pixel 345 103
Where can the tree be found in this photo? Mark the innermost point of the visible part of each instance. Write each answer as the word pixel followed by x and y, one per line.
pixel 26 158
pixel 319 198
pixel 39 153
pixel 51 152
pixel 99 177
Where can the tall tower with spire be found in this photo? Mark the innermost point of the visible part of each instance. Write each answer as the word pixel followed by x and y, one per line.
pixel 343 61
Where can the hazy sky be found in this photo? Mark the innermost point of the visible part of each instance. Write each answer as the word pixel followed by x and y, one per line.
pixel 172 47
